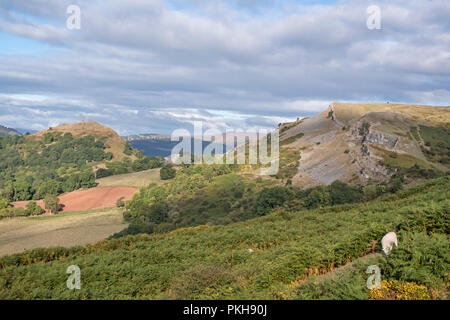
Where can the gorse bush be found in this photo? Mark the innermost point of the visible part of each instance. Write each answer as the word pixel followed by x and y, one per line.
pixel 394 290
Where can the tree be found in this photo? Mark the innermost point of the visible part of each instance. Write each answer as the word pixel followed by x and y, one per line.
pixel 52 204
pixel 318 197
pixel 4 203
pixel 101 173
pixel 23 190
pixel 128 150
pixel 87 179
pixel 120 203
pixel 270 198
pixel 32 209
pixel 48 188
pixel 167 172
pixel 157 212
pixel 397 184
pixel 343 193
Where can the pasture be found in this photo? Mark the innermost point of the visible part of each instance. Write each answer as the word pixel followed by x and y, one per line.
pixel 64 229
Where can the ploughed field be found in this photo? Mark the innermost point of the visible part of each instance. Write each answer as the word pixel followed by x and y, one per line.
pixel 90 199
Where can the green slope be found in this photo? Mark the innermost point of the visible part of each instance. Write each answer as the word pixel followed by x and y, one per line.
pixel 214 262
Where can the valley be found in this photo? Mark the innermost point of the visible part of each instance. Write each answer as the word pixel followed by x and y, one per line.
pixel 347 176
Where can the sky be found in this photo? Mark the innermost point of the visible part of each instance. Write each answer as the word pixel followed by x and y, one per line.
pixel 154 66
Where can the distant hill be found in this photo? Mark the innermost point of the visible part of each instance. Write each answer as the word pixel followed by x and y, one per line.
pixel 25 131
pixel 5 131
pixel 365 143
pixel 160 144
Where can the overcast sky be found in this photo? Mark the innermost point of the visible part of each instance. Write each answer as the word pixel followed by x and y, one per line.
pixel 152 66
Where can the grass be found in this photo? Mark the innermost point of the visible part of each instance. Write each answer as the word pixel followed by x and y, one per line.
pixel 289 160
pixel 398 160
pixel 291 139
pixel 213 262
pixel 65 229
pixel 135 179
pixel 437 142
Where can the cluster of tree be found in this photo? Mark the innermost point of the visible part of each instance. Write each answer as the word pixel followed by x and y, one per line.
pixel 59 163
pixel 32 169
pixel 212 194
pixel 30 188
pixel 8 211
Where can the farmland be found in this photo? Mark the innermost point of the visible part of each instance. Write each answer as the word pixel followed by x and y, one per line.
pixel 135 179
pixel 65 229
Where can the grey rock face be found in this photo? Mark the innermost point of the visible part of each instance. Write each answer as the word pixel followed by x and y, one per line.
pixel 381 138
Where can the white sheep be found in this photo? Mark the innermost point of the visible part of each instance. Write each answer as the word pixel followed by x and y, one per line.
pixel 388 242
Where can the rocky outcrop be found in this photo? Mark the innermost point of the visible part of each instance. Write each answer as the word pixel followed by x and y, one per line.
pixel 381 138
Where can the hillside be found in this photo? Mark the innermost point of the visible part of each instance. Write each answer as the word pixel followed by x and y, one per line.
pixel 63 159
pixel 288 247
pixel 367 143
pixel 4 131
pixel 218 231
pixel 113 142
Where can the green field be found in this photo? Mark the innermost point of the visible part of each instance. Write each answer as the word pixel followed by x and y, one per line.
pixel 135 179
pixel 64 229
pixel 289 247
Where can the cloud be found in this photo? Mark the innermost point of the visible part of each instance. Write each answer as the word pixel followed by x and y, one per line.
pixel 153 66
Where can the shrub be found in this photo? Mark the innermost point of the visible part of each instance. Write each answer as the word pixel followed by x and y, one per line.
pixel 52 204
pixel 419 258
pixel 201 282
pixel 270 198
pixel 120 203
pixel 167 172
pixel 33 209
pixel 394 290
pixel 102 173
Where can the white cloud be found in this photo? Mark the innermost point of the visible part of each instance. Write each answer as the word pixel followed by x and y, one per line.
pixel 149 66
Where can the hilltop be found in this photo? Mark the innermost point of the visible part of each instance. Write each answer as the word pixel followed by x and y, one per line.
pixel 5 131
pixel 114 143
pixel 367 143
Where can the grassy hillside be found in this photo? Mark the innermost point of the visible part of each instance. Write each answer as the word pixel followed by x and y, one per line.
pixel 289 246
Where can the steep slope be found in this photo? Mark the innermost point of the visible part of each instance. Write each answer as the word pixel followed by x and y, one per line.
pixel 115 144
pixel 365 143
pixel 5 131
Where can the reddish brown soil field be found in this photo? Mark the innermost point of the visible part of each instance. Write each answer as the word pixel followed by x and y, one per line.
pixel 90 199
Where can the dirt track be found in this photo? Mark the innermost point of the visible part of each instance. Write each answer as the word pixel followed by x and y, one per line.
pixel 90 199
